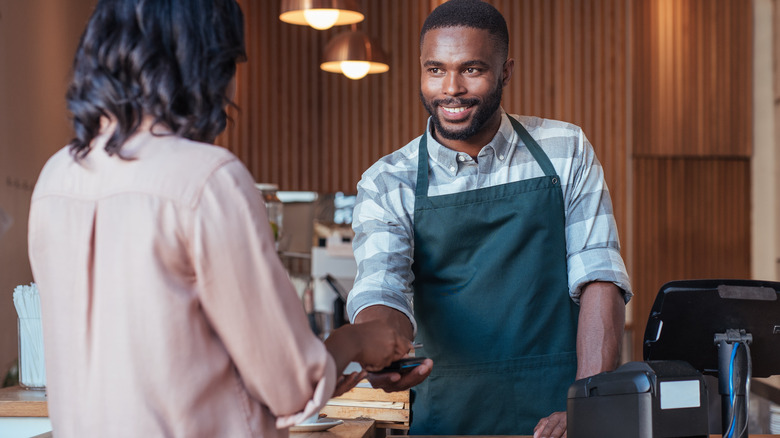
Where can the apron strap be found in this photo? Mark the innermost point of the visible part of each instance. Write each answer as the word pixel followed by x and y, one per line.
pixel 421 191
pixel 533 148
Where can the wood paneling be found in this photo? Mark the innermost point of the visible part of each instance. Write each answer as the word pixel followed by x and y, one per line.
pixel 570 64
pixel 692 141
pixel 661 88
pixel 306 129
pixel 692 221
pixel 693 78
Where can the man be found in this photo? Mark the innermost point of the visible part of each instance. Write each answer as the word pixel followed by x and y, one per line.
pixel 502 229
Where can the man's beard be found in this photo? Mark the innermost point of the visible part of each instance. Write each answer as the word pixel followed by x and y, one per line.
pixel 489 106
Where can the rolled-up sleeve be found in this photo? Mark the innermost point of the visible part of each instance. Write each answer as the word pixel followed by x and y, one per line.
pixel 252 306
pixel 383 244
pixel 592 241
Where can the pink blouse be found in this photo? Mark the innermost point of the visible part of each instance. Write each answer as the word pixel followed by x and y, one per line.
pixel 166 310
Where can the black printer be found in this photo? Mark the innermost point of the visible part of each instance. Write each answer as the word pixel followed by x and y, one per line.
pixel 654 399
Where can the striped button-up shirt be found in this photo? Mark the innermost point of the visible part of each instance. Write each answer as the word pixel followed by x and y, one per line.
pixel 383 218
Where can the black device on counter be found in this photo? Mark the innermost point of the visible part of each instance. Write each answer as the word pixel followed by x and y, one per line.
pixel 639 400
pixel 728 328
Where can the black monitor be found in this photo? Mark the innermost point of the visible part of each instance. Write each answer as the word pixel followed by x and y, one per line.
pixel 702 322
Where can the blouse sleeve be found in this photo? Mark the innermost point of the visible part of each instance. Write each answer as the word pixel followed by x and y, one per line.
pixel 250 302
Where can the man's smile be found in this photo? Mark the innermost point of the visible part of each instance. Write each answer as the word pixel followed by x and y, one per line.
pixel 455 113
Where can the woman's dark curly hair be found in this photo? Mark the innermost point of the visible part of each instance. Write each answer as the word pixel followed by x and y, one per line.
pixel 171 60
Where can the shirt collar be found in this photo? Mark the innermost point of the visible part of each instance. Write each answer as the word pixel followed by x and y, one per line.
pixel 501 145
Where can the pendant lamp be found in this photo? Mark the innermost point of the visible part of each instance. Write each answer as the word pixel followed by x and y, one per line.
pixel 354 54
pixel 320 14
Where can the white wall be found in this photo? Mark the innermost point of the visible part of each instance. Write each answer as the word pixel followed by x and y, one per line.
pixel 37 41
pixel 774 146
pixel 766 159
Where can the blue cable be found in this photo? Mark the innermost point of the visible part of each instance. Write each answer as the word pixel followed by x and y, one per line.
pixel 732 395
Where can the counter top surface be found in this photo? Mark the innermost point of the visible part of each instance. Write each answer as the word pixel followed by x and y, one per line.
pixel 16 401
pixel 367 429
pixel 348 429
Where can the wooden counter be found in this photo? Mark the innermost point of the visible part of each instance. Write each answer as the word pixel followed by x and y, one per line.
pixel 18 402
pixel 23 412
pixel 348 429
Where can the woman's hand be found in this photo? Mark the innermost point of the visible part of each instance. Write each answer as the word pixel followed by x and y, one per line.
pixel 392 382
pixel 348 381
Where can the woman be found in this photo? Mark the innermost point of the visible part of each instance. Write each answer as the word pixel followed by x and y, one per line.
pixel 166 309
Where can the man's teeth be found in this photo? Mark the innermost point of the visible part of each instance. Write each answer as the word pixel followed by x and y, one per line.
pixel 459 109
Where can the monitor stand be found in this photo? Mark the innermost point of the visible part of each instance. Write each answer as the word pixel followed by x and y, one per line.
pixel 734 368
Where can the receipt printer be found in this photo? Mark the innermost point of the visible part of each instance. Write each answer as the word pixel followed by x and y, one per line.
pixel 655 399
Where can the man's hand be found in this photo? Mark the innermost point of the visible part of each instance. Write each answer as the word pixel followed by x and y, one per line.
pixel 379 344
pixel 373 344
pixel 553 426
pixel 392 382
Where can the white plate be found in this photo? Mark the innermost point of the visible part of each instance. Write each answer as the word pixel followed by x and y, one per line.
pixel 320 425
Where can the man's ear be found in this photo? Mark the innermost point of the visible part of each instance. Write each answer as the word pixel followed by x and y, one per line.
pixel 509 67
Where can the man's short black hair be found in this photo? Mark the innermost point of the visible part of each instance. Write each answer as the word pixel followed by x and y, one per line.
pixel 469 13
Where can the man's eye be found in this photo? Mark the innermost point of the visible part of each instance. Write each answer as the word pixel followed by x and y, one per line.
pixel 471 70
pixel 435 70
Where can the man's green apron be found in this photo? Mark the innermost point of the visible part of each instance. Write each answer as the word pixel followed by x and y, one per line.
pixel 492 304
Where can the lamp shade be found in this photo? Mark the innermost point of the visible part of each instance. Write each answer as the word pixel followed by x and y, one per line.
pixel 354 54
pixel 320 14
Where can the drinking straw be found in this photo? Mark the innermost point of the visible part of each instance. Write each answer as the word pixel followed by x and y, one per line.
pixel 32 371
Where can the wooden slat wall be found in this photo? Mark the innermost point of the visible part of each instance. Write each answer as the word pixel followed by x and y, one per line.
pixel 677 98
pixel 306 129
pixel 570 65
pixel 694 78
pixel 692 222
pixel 692 141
